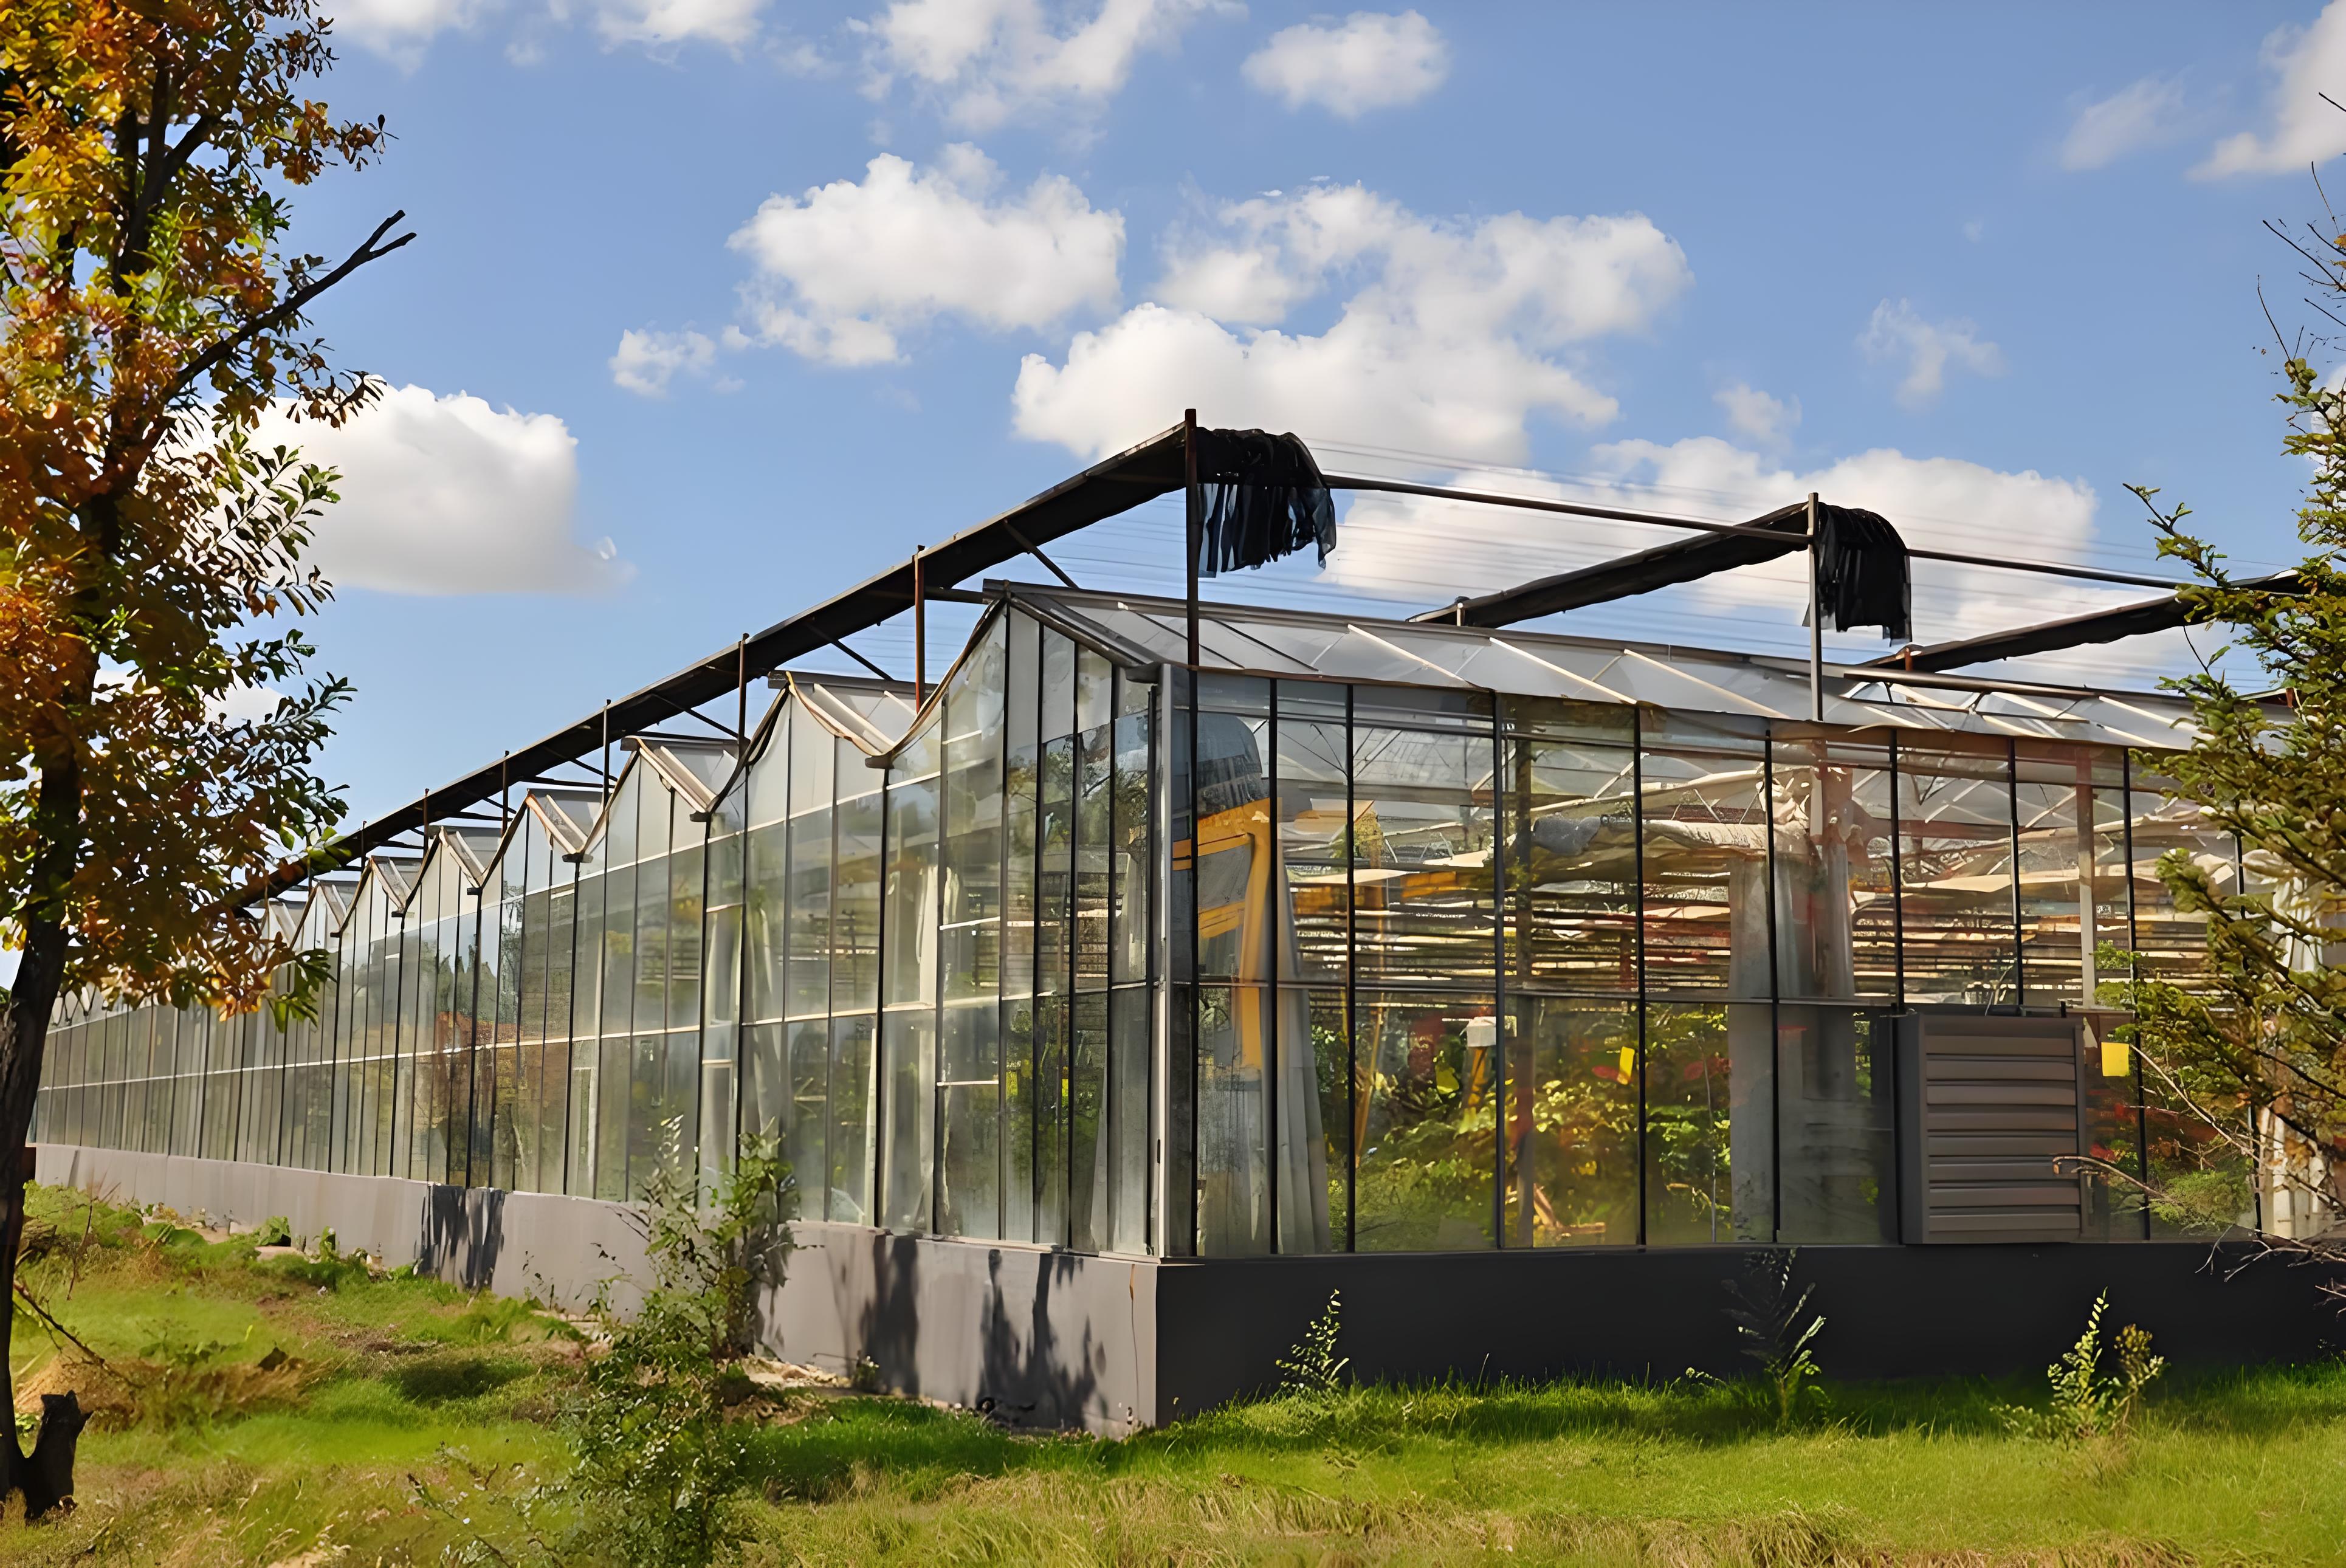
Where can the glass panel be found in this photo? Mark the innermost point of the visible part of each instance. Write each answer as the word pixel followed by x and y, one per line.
pixel 2055 794
pixel 1129 1011
pixel 1572 1124
pixel 1233 1175
pixel 1571 849
pixel 1709 1123
pixel 909 1066
pixel 1135 933
pixel 2173 946
pixel 972 934
pixel 1094 820
pixel 806 1129
pixel 1233 847
pixel 1703 815
pixel 1314 1115
pixel 1428 1076
pixel 1020 1093
pixel 1051 1021
pixel 910 948
pixel 1836 1119
pixel 1836 931
pixel 852 1069
pixel 1421 838
pixel 969 1188
pixel 1022 793
pixel 1087 1116
pixel 809 915
pixel 855 897
pixel 1955 827
pixel 1314 851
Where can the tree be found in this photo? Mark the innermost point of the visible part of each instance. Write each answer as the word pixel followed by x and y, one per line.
pixel 2255 1052
pixel 151 559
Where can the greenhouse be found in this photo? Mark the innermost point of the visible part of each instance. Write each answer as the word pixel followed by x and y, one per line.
pixel 1270 933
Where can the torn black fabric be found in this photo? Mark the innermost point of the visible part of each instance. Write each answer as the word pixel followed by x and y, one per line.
pixel 1863 579
pixel 1264 498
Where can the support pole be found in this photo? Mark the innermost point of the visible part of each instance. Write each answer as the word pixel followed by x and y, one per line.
pixel 919 633
pixel 1195 498
pixel 1816 623
pixel 742 697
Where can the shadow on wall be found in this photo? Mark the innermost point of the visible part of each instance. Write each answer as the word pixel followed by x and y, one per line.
pixel 464 1232
pixel 1025 1375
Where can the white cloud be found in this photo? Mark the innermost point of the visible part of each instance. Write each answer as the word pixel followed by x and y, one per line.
pixel 448 495
pixel 846 269
pixel 1427 552
pixel 1765 419
pixel 985 61
pixel 647 360
pixel 1453 339
pixel 399 30
pixel 1928 349
pixel 655 24
pixel 2139 115
pixel 1370 60
pixel 2307 62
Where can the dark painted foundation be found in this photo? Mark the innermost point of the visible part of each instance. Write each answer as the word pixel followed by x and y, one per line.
pixel 1890 1312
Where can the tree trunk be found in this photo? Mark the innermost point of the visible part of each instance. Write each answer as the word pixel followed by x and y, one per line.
pixel 46 1475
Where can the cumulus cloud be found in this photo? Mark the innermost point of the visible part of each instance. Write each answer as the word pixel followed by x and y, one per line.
pixel 1426 552
pixel 656 24
pixel 986 61
pixel 1453 338
pixel 1765 419
pixel 1369 60
pixel 449 495
pixel 846 269
pixel 2305 62
pixel 2139 115
pixel 648 360
pixel 399 30
pixel 1899 335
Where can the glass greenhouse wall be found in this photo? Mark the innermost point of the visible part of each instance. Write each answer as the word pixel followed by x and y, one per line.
pixel 1438 968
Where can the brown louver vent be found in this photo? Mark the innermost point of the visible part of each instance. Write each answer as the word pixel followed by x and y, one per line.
pixel 1986 1107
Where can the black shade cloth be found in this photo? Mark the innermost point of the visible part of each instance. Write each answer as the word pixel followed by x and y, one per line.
pixel 1862 574
pixel 1264 498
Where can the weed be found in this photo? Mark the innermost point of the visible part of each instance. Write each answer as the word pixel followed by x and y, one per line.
pixel 659 1463
pixel 1311 1369
pixel 2087 1402
pixel 275 1231
pixel 1776 1331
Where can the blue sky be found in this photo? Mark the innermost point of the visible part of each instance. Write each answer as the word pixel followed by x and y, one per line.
pixel 719 306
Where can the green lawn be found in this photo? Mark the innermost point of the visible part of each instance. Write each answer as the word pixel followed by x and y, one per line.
pixel 409 1411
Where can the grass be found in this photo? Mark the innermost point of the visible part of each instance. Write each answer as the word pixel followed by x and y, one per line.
pixel 415 1421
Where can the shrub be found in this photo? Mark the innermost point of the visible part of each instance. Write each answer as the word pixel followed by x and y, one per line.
pixel 1311 1369
pixel 2087 1402
pixel 658 1461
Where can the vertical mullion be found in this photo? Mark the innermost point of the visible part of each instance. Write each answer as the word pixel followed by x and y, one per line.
pixel 1499 1019
pixel 2012 804
pixel 1637 860
pixel 1352 991
pixel 1266 1003
pixel 1897 881
pixel 1775 989
pixel 2134 977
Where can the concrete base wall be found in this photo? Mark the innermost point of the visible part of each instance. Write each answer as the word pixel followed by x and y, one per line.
pixel 1050 1339
pixel 1037 1338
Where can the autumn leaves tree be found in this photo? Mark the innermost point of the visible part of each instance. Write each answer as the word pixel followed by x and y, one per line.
pixel 158 718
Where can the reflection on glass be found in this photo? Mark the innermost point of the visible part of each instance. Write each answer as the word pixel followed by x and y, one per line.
pixel 1710 1156
pixel 1571 1114
pixel 1837 1121
pixel 1429 1080
pixel 1954 825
